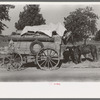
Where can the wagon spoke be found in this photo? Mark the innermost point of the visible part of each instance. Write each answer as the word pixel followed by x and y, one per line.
pixel 47 52
pixel 15 56
pixel 16 65
pixel 43 62
pixel 41 58
pixel 44 54
pixel 51 64
pixel 53 53
pixel 53 61
pixel 50 52
pixel 18 59
pixel 54 58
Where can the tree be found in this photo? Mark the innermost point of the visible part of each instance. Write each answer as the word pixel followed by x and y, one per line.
pixel 4 15
pixel 29 17
pixel 81 23
pixel 97 36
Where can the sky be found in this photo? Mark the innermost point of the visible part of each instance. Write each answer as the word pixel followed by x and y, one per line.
pixel 53 13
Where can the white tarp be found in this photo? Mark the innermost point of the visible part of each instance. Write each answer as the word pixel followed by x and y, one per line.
pixel 47 29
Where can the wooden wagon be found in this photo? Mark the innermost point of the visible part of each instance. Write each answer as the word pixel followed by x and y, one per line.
pixel 45 52
pixel 35 47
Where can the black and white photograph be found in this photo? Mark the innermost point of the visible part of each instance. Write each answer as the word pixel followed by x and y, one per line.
pixel 49 42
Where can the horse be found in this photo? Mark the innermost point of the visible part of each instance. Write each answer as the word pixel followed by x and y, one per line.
pixel 79 50
pixel 69 54
pixel 84 50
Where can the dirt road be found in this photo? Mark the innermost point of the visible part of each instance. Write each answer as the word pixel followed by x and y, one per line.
pixel 69 73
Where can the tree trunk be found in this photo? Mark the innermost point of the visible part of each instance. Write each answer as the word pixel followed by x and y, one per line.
pixel 72 40
pixel 85 41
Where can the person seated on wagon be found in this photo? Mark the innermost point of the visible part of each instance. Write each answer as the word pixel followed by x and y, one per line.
pixel 66 36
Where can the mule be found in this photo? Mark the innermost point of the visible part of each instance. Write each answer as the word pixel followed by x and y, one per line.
pixel 69 54
pixel 84 50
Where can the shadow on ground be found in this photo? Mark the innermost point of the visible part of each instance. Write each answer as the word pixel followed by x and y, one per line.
pixel 83 59
pixel 89 59
pixel 30 65
pixel 33 65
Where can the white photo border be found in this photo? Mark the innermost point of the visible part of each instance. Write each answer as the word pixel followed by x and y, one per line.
pixel 48 89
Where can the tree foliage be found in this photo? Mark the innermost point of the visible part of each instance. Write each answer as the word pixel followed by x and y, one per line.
pixel 97 36
pixel 4 15
pixel 81 22
pixel 29 17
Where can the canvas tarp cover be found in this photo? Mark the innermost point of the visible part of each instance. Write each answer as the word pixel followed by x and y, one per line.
pixel 47 29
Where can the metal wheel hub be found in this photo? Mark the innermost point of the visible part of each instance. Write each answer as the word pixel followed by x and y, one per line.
pixel 48 58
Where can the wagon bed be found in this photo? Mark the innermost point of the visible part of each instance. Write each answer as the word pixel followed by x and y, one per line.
pixel 46 57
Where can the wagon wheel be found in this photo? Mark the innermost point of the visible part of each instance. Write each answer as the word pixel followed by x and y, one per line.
pixel 13 61
pixel 47 59
pixel 1 62
pixel 7 63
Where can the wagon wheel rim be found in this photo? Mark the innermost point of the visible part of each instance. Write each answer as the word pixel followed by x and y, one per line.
pixel 7 63
pixel 48 59
pixel 15 61
pixel 2 63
